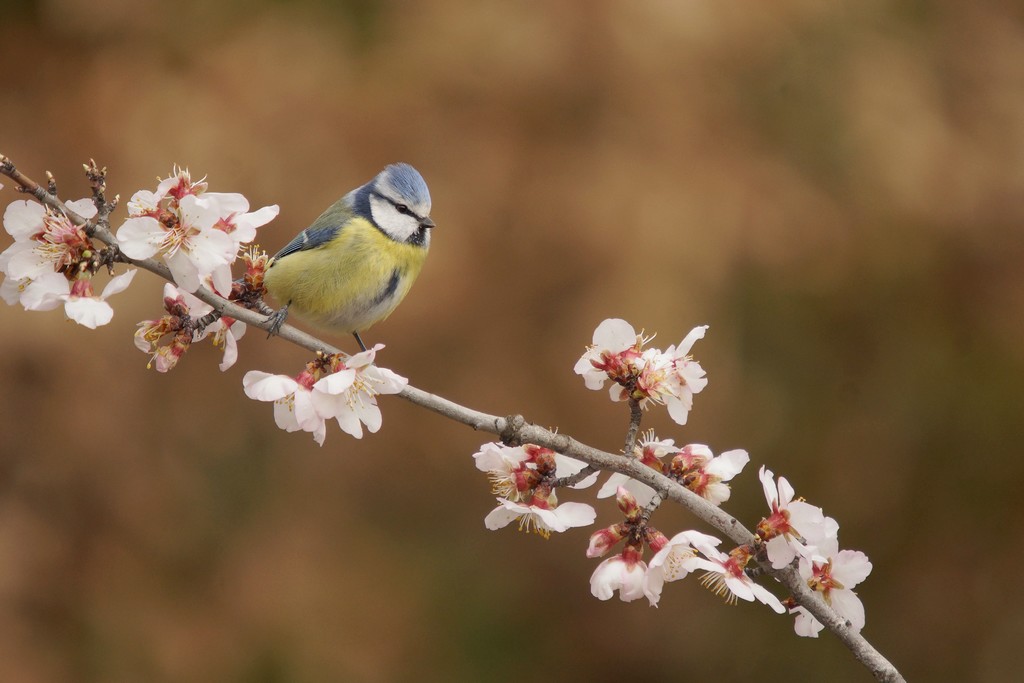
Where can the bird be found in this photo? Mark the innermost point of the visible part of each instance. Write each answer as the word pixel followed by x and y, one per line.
pixel 356 262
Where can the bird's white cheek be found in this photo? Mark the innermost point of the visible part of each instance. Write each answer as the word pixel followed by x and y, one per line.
pixel 397 225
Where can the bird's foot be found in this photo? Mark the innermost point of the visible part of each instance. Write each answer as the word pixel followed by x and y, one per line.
pixel 275 320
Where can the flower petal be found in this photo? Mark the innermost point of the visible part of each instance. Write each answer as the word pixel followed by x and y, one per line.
pixel 336 383
pixel 86 207
pixel 23 219
pixel 614 334
pixel 575 514
pixel 88 311
pixel 46 292
pixel 140 237
pixel 263 386
pixel 118 284
pixel 850 567
pixel 688 341
pixel 727 465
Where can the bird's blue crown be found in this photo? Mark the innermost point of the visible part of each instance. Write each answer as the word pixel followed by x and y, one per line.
pixel 406 184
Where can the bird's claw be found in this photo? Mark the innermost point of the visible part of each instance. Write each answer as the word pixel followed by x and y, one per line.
pixel 275 320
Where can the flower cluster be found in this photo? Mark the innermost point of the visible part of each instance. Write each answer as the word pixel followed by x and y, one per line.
pixel 797 530
pixel 197 233
pixel 52 263
pixel 330 387
pixel 524 479
pixel 694 466
pixel 669 377
pixel 625 572
pixel 177 328
pixel 673 559
pixel 793 530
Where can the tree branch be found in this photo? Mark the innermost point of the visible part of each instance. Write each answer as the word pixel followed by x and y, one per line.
pixel 514 429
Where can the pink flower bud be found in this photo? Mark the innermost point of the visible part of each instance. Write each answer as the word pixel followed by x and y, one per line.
pixel 655 539
pixel 627 503
pixel 602 540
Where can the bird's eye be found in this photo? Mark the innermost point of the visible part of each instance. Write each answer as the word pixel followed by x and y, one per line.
pixel 402 208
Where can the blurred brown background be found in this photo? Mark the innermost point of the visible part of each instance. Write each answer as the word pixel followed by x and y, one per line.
pixel 836 188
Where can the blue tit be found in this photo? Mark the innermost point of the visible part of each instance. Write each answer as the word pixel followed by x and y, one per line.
pixel 358 260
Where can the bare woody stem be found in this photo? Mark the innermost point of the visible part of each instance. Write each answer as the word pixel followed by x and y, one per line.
pixel 653 505
pixel 574 479
pixel 636 414
pixel 514 429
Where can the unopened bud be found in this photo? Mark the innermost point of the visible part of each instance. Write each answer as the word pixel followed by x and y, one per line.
pixel 627 503
pixel 602 540
pixel 655 539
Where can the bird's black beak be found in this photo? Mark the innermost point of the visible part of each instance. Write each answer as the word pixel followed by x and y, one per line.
pixel 426 222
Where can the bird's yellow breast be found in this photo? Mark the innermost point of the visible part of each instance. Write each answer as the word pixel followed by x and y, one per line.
pixel 349 283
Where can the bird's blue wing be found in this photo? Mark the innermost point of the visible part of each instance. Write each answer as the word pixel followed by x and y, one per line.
pixel 323 230
pixel 310 238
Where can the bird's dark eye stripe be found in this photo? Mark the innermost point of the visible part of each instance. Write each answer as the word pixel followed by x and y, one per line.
pixel 399 207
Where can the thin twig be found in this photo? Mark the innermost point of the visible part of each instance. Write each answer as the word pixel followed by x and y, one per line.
pixel 574 479
pixel 636 414
pixel 653 505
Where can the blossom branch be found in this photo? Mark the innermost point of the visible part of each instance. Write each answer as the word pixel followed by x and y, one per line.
pixel 104 235
pixel 512 430
pixel 523 432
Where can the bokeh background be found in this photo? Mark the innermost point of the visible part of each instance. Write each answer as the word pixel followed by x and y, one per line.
pixel 837 189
